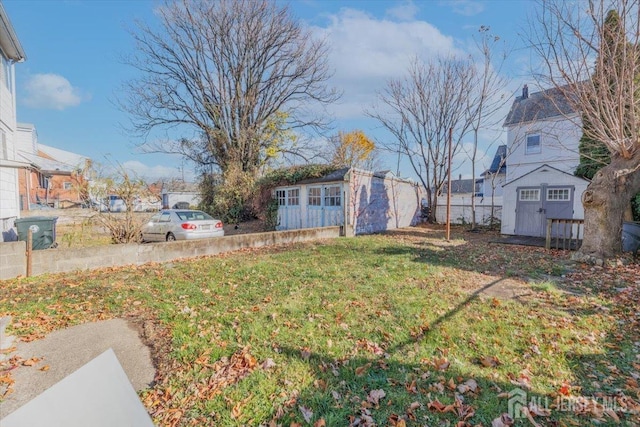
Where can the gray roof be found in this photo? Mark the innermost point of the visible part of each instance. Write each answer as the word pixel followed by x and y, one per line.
pixel 47 165
pixel 540 105
pixel 461 186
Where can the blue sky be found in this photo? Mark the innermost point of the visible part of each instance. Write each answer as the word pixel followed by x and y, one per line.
pixel 73 72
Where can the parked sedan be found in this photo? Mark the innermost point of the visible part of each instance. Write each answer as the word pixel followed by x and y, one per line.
pixel 181 224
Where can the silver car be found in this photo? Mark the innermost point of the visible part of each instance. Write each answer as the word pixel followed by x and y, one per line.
pixel 181 224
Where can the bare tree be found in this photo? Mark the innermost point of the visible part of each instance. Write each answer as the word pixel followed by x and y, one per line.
pixel 419 110
pixel 240 73
pixel 590 52
pixel 486 99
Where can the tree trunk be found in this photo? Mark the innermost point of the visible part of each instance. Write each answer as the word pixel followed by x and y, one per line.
pixel 605 202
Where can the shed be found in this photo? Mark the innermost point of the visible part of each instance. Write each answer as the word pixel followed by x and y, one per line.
pixel 361 201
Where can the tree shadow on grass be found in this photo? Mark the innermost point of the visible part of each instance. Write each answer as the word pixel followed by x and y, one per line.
pixel 433 390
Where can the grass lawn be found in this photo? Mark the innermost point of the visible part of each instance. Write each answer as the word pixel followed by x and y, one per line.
pixel 397 329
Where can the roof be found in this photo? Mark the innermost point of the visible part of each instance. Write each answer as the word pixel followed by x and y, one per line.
pixel 337 175
pixel 46 164
pixel 543 167
pixel 9 43
pixel 178 186
pixel 461 186
pixel 498 161
pixel 539 106
pixel 66 157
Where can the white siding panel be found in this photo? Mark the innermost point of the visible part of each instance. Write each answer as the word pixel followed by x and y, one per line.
pixel 559 139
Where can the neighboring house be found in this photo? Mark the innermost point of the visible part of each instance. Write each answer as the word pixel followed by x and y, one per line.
pixel 495 177
pixel 360 201
pixel 179 193
pixel 543 134
pixel 53 178
pixel 10 52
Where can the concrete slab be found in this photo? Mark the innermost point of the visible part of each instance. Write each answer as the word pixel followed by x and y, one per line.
pixel 64 351
pixel 98 394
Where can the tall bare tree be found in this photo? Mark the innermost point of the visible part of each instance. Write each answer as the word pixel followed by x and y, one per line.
pixel 486 98
pixel 419 110
pixel 238 72
pixel 595 61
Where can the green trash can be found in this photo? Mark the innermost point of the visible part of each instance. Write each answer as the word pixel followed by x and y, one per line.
pixel 43 229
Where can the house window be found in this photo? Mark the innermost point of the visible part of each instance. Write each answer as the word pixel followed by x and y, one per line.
pixel 67 185
pixel 558 194
pixel 281 197
pixel 533 144
pixel 530 195
pixel 332 196
pixel 293 196
pixel 315 196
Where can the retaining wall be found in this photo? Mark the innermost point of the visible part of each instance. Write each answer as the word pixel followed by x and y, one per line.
pixel 13 259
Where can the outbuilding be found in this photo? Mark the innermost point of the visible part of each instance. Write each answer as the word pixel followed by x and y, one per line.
pixel 361 201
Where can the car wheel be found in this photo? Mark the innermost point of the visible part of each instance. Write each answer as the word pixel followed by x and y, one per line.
pixel 171 237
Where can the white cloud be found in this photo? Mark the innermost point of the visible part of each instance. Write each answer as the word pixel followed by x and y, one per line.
pixel 366 52
pixel 403 12
pixel 51 91
pixel 152 173
pixel 467 7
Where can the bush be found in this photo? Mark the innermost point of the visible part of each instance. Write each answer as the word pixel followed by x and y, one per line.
pixel 228 199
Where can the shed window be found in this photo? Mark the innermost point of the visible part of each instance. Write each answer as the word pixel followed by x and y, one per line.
pixel 315 196
pixel 533 144
pixel 530 195
pixel 293 197
pixel 281 197
pixel 558 194
pixel 332 196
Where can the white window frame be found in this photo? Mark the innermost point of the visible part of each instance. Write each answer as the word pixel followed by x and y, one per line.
pixel 293 197
pixel 67 185
pixel 536 149
pixel 314 197
pixel 564 191
pixel 530 192
pixel 281 197
pixel 287 196
pixel 332 197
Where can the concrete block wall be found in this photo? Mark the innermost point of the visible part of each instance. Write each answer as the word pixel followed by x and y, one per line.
pixel 13 259
pixel 13 254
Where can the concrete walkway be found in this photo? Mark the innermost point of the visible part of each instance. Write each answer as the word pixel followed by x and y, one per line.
pixel 64 351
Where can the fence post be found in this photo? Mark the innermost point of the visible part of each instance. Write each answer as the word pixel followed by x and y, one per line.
pixel 547 244
pixel 29 251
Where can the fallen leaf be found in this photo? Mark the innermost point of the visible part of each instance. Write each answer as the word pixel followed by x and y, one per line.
pixel 503 420
pixel 375 396
pixel 30 362
pixel 45 368
pixel 307 413
pixel 320 423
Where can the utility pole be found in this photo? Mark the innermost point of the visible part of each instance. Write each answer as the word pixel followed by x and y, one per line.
pixel 449 186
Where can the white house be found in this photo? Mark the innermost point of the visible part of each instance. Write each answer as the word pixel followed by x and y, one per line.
pixel 10 52
pixel 543 135
pixel 360 201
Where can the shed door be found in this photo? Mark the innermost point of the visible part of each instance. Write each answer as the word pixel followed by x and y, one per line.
pixel 529 212
pixel 558 204
pixel 537 204
pixel 289 215
pixel 325 206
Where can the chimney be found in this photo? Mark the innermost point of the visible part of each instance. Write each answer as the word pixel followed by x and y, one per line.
pixel 525 92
